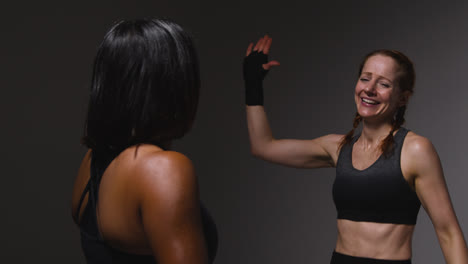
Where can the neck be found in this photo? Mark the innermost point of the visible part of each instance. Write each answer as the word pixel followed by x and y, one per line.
pixel 372 132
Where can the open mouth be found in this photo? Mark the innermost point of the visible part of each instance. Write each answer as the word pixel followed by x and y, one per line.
pixel 369 101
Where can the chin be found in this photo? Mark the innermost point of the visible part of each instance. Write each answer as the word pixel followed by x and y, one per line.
pixel 369 115
pixel 365 113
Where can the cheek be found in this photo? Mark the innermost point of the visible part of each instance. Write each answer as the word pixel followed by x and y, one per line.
pixel 357 99
pixel 357 89
pixel 389 97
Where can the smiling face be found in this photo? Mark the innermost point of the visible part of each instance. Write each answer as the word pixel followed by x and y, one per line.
pixel 377 94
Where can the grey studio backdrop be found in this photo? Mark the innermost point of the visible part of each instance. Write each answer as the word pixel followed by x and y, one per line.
pixel 265 213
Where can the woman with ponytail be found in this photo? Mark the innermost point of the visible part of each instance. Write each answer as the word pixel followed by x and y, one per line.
pixel 384 173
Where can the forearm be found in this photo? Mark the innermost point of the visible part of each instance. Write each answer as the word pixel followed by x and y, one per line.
pixel 454 247
pixel 260 134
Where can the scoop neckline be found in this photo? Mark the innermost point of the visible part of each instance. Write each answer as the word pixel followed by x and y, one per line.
pixel 376 161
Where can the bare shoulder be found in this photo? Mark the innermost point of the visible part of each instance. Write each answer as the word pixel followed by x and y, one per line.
pixel 332 138
pixel 168 204
pixel 159 173
pixel 153 162
pixel 419 155
pixel 166 166
pixel 331 143
pixel 417 145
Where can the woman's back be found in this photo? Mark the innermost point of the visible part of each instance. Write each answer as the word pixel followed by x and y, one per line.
pixel 111 214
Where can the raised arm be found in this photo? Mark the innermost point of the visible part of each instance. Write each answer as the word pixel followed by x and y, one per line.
pixel 316 153
pixel 421 162
pixel 170 209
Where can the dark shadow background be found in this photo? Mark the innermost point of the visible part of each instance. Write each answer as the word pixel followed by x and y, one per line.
pixel 265 213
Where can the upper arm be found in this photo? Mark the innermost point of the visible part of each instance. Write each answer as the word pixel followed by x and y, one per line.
pixel 421 161
pixel 315 153
pixel 170 209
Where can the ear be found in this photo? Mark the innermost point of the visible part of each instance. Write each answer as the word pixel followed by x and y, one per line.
pixel 404 98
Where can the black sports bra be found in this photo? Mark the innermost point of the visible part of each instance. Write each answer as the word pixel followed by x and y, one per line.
pixel 96 250
pixel 378 193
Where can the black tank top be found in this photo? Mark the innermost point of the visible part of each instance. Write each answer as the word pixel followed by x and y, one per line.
pixel 378 193
pixel 95 249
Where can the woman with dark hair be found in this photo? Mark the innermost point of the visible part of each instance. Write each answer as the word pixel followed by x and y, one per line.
pixel 134 200
pixel 383 173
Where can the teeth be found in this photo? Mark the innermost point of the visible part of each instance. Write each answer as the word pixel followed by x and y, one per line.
pixel 369 101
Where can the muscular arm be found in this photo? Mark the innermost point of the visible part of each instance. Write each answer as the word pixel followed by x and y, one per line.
pixel 424 164
pixel 315 153
pixel 170 209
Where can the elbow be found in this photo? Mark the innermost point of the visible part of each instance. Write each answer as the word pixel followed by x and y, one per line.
pixel 262 149
pixel 450 235
pixel 256 152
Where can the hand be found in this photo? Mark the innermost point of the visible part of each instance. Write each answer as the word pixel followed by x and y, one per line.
pixel 256 66
pixel 263 46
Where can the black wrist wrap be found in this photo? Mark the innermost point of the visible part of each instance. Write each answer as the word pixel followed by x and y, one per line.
pixel 253 77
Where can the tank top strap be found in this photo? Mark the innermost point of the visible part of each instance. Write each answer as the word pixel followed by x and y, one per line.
pixel 398 140
pixel 83 195
pixel 100 160
pixel 355 138
pixel 99 163
pixel 344 158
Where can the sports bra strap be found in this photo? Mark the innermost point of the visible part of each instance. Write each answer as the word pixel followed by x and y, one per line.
pixel 85 191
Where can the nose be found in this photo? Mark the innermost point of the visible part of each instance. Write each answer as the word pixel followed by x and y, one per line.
pixel 370 88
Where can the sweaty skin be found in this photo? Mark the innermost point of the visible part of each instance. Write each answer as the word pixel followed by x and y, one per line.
pixel 148 204
pixel 377 97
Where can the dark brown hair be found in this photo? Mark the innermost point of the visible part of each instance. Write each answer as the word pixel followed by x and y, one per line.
pixel 405 82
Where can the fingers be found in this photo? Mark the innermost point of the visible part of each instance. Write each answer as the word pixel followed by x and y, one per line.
pixel 270 64
pixel 262 45
pixel 249 49
pixel 259 46
pixel 266 46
